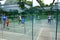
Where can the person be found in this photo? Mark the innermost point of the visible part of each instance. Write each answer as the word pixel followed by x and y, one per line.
pixel 49 18
pixel 23 21
pixel 19 18
pixel 7 22
pixel 4 20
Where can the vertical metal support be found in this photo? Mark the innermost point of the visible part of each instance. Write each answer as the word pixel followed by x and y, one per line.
pixel 32 20
pixel 2 29
pixel 56 22
pixel 51 9
pixel 51 13
pixel 4 24
pixel 14 21
pixel 24 27
pixel 32 26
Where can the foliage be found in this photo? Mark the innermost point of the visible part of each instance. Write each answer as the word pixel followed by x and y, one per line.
pixel 29 2
pixel 21 4
pixel 42 4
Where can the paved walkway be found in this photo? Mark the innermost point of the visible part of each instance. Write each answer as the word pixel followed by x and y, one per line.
pixel 47 34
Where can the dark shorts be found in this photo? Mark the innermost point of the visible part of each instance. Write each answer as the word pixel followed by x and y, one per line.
pixel 49 20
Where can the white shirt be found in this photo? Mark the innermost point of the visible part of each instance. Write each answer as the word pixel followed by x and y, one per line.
pixel 20 17
pixel 49 17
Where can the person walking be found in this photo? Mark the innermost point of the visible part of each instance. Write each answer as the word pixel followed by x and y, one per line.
pixel 19 18
pixel 49 18
pixel 23 21
pixel 4 20
pixel 7 23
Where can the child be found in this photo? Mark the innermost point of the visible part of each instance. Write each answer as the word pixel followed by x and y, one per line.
pixel 7 22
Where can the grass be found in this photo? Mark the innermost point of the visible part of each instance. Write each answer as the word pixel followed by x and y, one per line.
pixel 44 16
pixel 59 17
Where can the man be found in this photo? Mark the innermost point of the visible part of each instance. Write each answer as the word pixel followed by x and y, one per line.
pixel 19 18
pixel 49 18
pixel 23 21
pixel 4 20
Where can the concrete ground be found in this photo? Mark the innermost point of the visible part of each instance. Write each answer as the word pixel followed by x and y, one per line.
pixel 42 30
pixel 48 34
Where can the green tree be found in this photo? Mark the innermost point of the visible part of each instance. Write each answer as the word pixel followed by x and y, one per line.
pixel 42 4
pixel 21 3
pixel 46 5
pixel 29 2
pixel 52 3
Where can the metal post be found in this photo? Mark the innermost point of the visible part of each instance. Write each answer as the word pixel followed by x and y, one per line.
pixel 14 20
pixel 24 29
pixel 4 24
pixel 51 12
pixel 32 21
pixel 24 22
pixel 32 26
pixel 56 22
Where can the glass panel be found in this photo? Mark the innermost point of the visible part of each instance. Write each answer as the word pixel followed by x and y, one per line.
pixel 18 25
pixel 17 29
pixel 29 23
pixel 43 28
pixel 58 30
